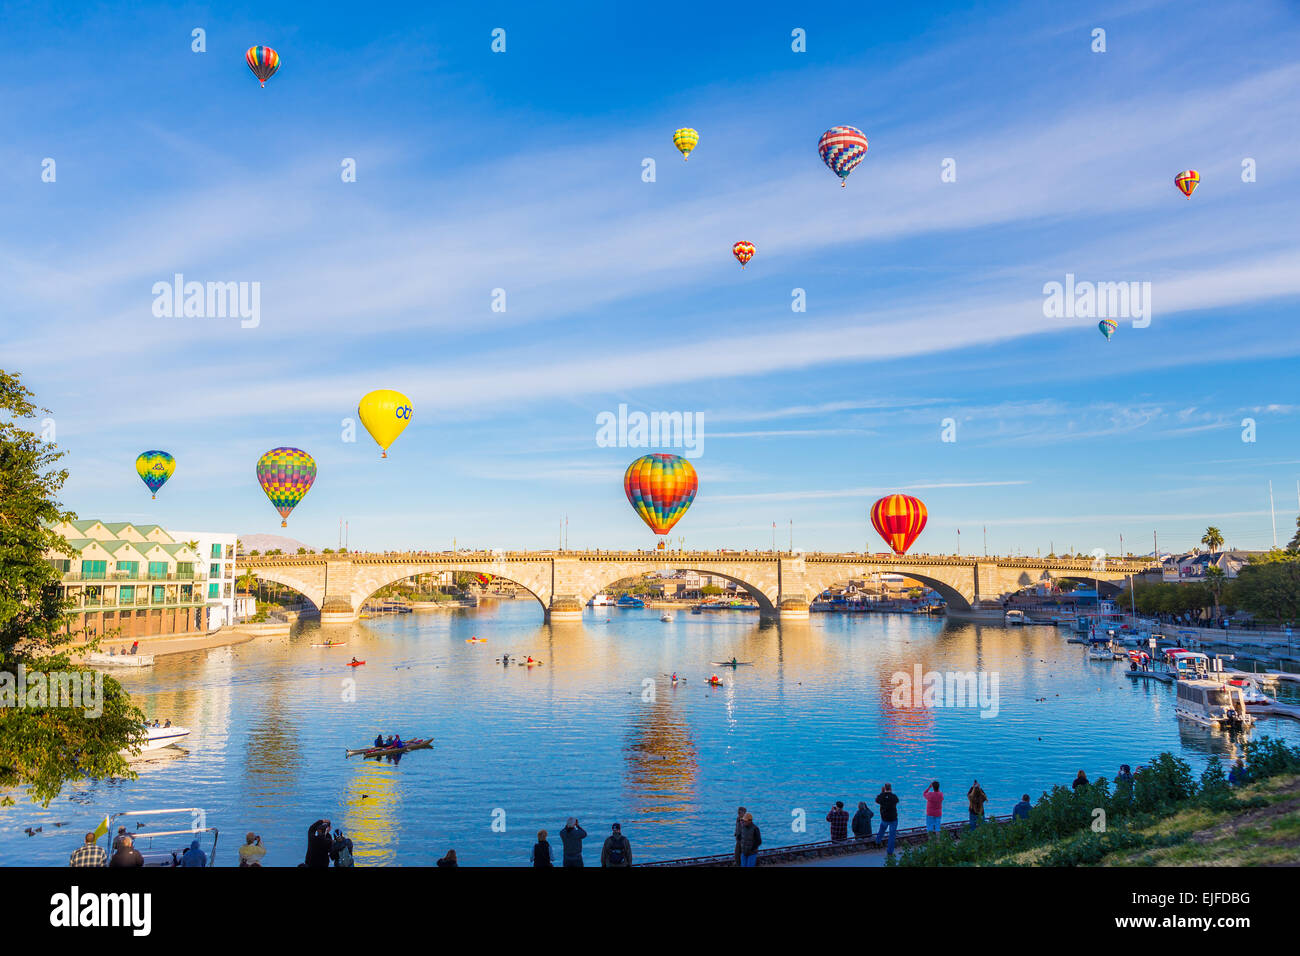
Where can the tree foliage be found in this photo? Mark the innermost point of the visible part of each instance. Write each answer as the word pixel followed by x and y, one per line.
pixel 43 747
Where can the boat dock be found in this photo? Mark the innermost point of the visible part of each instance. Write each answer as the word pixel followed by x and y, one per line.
pixel 1163 676
pixel 802 852
pixel 1274 710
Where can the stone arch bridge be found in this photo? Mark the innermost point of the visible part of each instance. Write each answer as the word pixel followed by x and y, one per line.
pixel 783 584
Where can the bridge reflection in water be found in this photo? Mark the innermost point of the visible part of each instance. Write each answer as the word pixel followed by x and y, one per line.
pixel 783 583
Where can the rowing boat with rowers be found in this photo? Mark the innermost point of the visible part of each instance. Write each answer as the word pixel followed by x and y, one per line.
pixel 416 744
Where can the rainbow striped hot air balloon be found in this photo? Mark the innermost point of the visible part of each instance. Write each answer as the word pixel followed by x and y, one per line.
pixel 1187 181
pixel 743 251
pixel 154 468
pixel 841 149
pixel 660 488
pixel 899 519
pixel 1107 327
pixel 286 475
pixel 685 139
pixel 263 61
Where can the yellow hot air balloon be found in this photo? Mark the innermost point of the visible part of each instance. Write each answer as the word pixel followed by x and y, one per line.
pixel 385 413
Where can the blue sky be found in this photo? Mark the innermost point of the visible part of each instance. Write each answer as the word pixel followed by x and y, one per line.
pixel 523 171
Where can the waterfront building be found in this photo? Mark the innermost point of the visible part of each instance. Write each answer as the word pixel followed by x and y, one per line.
pixel 217 551
pixel 135 579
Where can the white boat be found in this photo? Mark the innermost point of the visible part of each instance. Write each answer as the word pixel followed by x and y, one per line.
pixel 163 847
pixel 160 737
pixel 100 659
pixel 1250 693
pixel 1101 650
pixel 1211 703
pixel 600 600
pixel 666 618
pixel 1015 617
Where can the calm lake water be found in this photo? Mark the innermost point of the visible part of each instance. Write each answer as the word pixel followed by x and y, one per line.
pixel 600 733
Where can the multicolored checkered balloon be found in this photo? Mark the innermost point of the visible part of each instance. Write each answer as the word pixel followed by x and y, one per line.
pixel 660 488
pixel 841 149
pixel 286 475
pixel 743 251
pixel 685 140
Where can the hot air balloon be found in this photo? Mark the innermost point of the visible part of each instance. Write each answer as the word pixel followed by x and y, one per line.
pixel 660 488
pixel 286 475
pixel 744 251
pixel 685 139
pixel 842 148
pixel 154 468
pixel 263 61
pixel 1107 327
pixel 483 579
pixel 899 520
pixel 1187 181
pixel 385 413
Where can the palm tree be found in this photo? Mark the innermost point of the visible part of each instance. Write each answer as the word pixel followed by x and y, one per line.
pixel 247 581
pixel 1212 539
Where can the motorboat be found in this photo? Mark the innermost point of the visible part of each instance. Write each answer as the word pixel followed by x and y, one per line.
pixel 1211 703
pixel 1101 649
pixel 163 847
pixel 1015 617
pixel 159 737
pixel 100 659
pixel 1250 692
pixel 600 600
pixel 666 618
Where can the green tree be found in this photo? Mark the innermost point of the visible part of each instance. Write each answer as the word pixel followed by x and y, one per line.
pixel 1294 544
pixel 1212 539
pixel 43 747
pixel 1269 586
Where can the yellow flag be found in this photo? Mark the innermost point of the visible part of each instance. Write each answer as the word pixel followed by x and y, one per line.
pixel 102 829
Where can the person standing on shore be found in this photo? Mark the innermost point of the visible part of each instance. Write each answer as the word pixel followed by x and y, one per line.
pixel 861 824
pixel 933 807
pixel 977 798
pixel 89 853
pixel 838 818
pixel 1080 781
pixel 740 822
pixel 1021 810
pixel 749 840
pixel 571 837
pixel 617 851
pixel 542 857
pixel 887 800
pixel 319 844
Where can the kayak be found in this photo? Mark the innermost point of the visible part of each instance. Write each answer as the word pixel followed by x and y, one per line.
pixel 355 663
pixel 714 683
pixel 476 640
pixel 729 664
pixel 367 752
pixel 331 644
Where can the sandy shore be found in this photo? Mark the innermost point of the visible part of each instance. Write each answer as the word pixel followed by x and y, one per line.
pixel 180 643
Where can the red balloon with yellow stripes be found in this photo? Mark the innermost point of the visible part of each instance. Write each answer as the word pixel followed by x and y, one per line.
pixel 899 519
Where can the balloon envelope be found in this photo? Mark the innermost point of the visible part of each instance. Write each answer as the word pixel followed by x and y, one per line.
pixel 1187 181
pixel 685 140
pixel 660 488
pixel 1107 327
pixel 385 413
pixel 286 475
pixel 899 519
pixel 263 61
pixel 743 251
pixel 841 149
pixel 154 468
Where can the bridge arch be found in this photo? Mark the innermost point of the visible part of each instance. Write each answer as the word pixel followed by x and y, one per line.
pixel 767 602
pixel 379 576
pixel 956 599
pixel 314 594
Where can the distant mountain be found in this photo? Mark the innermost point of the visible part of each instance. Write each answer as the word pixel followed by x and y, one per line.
pixel 269 542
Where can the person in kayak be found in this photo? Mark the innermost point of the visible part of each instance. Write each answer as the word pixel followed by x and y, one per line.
pixel 674 677
pixel 355 661
pixel 397 741
pixel 379 740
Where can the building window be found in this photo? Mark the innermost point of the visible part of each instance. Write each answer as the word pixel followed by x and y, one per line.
pixel 185 569
pixel 214 570
pixel 131 568
pixel 157 569
pixel 214 590
pixel 216 551
pixel 126 594
pixel 159 594
pixel 94 570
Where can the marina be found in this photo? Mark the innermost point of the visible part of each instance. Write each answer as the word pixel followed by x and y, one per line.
pixel 671 768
